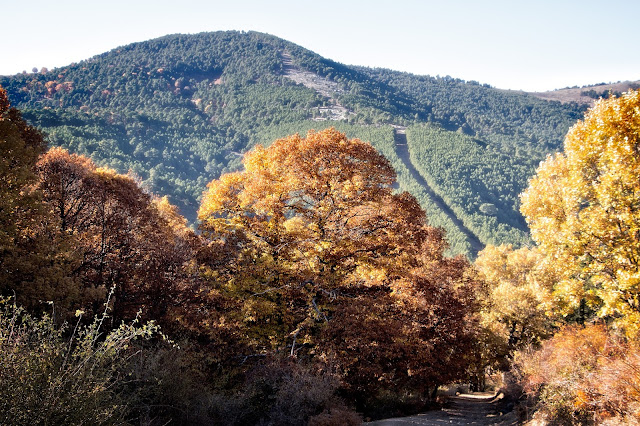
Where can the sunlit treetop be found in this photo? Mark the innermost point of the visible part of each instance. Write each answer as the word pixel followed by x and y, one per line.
pixel 323 199
pixel 583 207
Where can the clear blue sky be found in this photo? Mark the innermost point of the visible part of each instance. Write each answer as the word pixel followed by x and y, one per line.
pixel 529 45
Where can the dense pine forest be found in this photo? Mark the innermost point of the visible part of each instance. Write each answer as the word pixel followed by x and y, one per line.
pixel 180 110
pixel 226 228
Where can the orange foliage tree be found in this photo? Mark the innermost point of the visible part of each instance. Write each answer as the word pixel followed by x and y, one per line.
pixel 115 236
pixel 325 262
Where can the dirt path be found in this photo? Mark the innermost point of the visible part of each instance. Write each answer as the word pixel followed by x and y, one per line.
pixel 402 149
pixel 460 410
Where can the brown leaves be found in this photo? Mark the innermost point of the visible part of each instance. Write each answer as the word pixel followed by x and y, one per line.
pixel 115 236
pixel 25 253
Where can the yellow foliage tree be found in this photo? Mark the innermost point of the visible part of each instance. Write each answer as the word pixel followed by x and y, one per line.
pixel 513 298
pixel 583 208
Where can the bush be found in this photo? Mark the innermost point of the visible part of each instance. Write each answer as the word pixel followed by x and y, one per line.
pixel 583 376
pixel 170 389
pixel 52 375
pixel 283 392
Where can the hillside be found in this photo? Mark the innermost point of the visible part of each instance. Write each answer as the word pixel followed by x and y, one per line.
pixel 178 111
pixel 586 95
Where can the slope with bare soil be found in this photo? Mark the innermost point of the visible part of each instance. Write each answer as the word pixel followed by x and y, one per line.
pixel 585 95
pixel 322 85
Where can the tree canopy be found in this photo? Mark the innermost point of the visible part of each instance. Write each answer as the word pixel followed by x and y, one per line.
pixel 583 210
pixel 316 244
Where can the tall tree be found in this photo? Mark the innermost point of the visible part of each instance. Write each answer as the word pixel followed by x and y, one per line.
pixel 28 258
pixel 122 239
pixel 583 209
pixel 325 261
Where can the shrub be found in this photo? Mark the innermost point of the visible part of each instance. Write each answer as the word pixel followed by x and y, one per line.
pixel 583 375
pixel 284 392
pixel 51 375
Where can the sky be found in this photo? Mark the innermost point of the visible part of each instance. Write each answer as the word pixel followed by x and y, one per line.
pixel 520 45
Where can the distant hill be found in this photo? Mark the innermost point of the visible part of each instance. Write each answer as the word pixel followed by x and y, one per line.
pixel 179 110
pixel 587 95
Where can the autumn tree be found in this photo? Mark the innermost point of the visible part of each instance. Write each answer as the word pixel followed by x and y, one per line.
pixel 27 257
pixel 326 262
pixel 117 236
pixel 17 160
pixel 71 232
pixel 583 210
pixel 405 338
pixel 514 300
pixel 20 146
pixel 310 215
pixel 515 294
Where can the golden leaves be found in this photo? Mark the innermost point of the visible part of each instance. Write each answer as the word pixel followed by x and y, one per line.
pixel 583 207
pixel 322 202
pixel 316 245
pixel 515 294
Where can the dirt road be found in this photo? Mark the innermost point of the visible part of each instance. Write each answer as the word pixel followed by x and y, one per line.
pixel 460 410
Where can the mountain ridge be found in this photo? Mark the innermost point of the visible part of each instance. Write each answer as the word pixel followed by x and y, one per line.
pixel 587 94
pixel 178 110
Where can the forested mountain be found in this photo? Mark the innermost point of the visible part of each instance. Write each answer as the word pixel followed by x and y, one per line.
pixel 180 110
